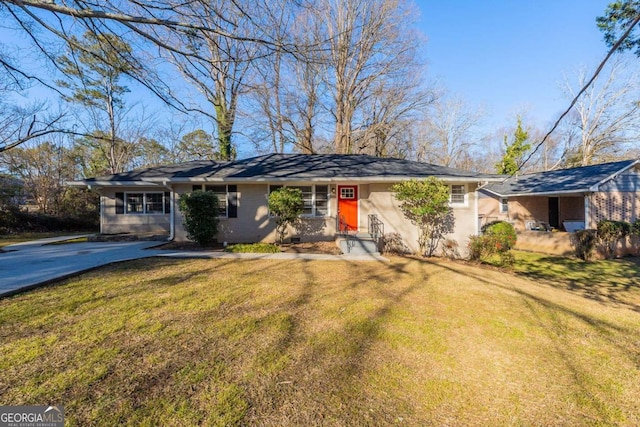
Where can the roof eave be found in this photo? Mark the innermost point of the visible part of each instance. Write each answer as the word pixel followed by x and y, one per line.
pixel 547 193
pixel 98 183
pixel 595 187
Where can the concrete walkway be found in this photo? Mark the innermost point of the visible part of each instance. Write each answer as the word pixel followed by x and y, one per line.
pixel 30 264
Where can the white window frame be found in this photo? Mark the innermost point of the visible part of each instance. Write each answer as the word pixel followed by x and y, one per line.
pixel 504 205
pixel 465 202
pixel 144 203
pixel 314 199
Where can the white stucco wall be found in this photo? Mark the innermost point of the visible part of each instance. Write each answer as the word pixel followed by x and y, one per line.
pixel 253 223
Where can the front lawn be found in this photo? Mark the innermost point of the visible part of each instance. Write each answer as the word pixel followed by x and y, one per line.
pixel 303 343
pixel 616 280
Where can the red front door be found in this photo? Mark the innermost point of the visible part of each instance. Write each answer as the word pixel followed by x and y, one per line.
pixel 348 205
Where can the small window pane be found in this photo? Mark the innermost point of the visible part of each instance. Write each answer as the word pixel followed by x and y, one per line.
pixel 322 200
pixel 457 194
pixel 134 203
pixel 154 203
pixel 347 193
pixel 504 205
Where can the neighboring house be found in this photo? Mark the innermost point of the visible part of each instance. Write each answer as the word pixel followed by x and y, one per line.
pixel 351 186
pixel 566 199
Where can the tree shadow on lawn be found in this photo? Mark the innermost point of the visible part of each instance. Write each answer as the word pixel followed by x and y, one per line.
pixel 607 281
pixel 605 328
pixel 550 317
pixel 329 348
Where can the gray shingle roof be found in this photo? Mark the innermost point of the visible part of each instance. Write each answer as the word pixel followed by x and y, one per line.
pixel 574 180
pixel 295 167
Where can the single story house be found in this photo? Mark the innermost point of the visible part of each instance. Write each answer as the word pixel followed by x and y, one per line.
pixel 564 199
pixel 349 186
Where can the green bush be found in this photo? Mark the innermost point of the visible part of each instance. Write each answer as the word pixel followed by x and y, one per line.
pixel 286 204
pixel 503 233
pixel 486 246
pixel 256 248
pixel 200 210
pixel 584 242
pixel 15 220
pixel 426 204
pixel 610 232
pixel 479 247
pixel 498 238
pixel 635 227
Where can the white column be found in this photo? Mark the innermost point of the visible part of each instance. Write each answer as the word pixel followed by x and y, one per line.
pixel 587 208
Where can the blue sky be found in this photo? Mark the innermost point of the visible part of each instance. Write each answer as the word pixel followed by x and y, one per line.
pixel 511 55
pixel 507 56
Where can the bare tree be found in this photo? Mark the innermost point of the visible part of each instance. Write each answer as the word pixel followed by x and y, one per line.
pixel 288 88
pixel 43 168
pixel 368 42
pixel 605 120
pixel 220 64
pixel 448 137
pixel 20 124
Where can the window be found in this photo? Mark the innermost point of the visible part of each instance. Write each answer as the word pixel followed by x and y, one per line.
pixel 307 197
pixel 504 205
pixel 146 203
pixel 458 195
pixel 315 197
pixel 347 193
pixel 227 198
pixel 154 203
pixel 134 203
pixel 322 200
pixel 221 192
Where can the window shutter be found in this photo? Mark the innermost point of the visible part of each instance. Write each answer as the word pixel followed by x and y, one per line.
pixel 232 194
pixel 119 203
pixel 167 202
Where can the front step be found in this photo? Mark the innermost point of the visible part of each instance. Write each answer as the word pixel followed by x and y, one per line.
pixel 358 245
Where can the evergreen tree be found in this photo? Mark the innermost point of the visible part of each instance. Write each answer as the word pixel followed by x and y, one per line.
pixel 514 152
pixel 94 68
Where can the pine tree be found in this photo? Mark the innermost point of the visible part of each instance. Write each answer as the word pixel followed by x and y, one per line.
pixel 514 152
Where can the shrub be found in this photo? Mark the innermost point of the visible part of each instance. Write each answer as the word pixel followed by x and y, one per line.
pixel 609 232
pixel 392 243
pixel 286 204
pixel 635 227
pixel 498 238
pixel 584 242
pixel 503 233
pixel 482 246
pixel 450 249
pixel 426 204
pixel 200 210
pixel 15 220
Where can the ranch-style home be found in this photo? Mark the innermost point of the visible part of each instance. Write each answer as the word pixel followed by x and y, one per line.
pixel 566 199
pixel 354 188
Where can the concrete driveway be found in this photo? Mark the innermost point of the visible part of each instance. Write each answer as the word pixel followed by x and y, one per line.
pixel 25 265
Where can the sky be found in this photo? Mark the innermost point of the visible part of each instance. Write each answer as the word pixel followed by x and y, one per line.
pixel 507 57
pixel 511 56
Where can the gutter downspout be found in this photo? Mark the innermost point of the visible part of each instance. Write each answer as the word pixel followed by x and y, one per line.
pixel 475 209
pixel 172 215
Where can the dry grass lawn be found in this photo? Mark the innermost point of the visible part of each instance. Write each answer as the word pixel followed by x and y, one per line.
pixel 305 343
